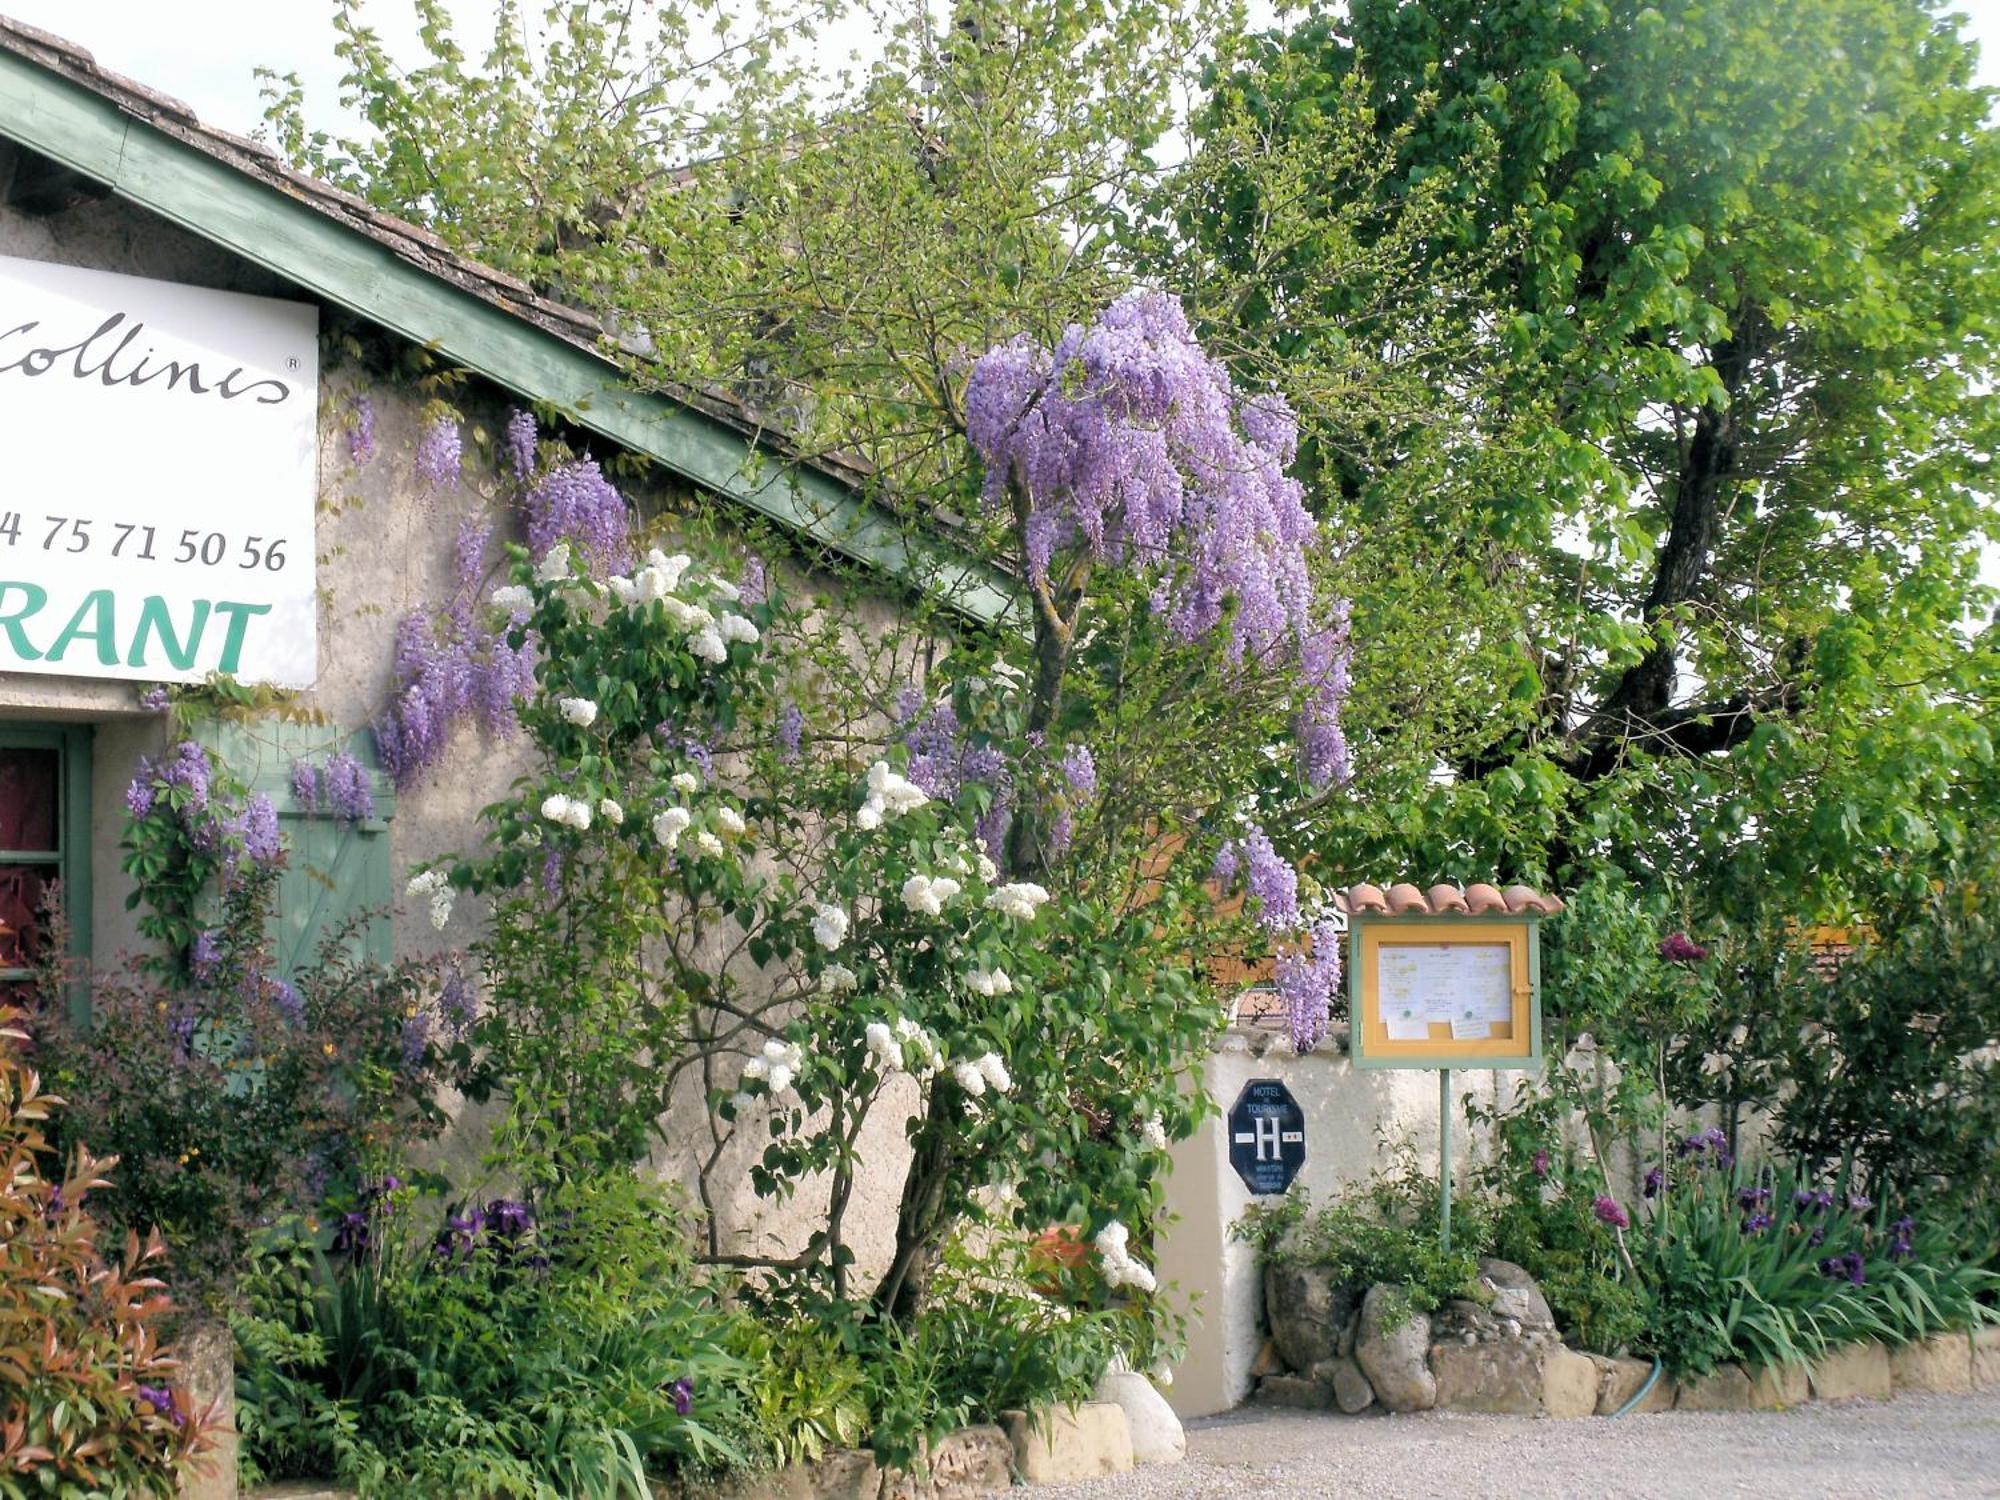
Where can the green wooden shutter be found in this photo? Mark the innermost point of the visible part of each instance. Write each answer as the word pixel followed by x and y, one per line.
pixel 336 870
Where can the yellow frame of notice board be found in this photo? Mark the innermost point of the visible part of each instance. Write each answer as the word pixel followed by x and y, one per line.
pixel 1372 1045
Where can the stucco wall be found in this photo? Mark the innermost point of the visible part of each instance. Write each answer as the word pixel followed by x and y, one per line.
pixel 384 547
pixel 1352 1118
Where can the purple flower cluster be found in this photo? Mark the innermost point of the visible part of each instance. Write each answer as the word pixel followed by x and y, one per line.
pixel 1610 1213
pixel 1129 440
pixel 1711 1140
pixel 416 1039
pixel 457 1002
pixel 361 432
pixel 1817 1200
pixel 204 954
pixel 1679 948
pixel 260 829
pixel 791 728
pixel 1655 1180
pixel 1852 1266
pixel 287 999
pixel 1308 978
pixel 521 443
pixel 1270 877
pixel 155 699
pixel 439 452
pixel 575 503
pixel 755 586
pixel 681 1393
pixel 347 790
pixel 305 785
pixel 161 1399
pixel 1902 1238
pixel 1079 770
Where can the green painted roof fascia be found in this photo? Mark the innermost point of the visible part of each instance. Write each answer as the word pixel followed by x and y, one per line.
pixel 181 183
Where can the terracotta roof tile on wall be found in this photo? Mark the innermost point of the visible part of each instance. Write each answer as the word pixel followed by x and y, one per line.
pixel 1476 900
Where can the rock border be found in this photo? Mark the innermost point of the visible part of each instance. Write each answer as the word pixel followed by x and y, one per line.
pixel 1499 1354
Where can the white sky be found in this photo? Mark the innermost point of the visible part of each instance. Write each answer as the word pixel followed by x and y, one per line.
pixel 204 52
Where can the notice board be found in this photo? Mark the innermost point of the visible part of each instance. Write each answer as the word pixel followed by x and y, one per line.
pixel 1445 992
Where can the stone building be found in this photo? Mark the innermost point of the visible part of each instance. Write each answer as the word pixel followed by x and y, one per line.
pixel 208 417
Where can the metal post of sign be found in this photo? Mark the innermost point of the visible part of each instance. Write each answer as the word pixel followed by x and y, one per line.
pixel 1444 1160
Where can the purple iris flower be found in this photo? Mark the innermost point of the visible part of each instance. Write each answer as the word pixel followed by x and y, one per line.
pixel 682 1394
pixel 1655 1180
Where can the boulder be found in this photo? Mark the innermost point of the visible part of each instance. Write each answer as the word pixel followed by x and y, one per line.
pixel 1392 1344
pixel 1619 1380
pixel 1268 1361
pixel 1777 1387
pixel 1852 1370
pixel 1067 1444
pixel 1985 1357
pixel 1569 1383
pixel 1351 1391
pixel 1725 1388
pixel 1513 1296
pixel 1941 1364
pixel 1157 1437
pixel 1308 1311
pixel 970 1464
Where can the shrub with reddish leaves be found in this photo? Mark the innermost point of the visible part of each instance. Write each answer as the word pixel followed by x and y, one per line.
pixel 90 1398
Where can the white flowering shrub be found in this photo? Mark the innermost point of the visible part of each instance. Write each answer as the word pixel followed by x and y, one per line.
pixel 727 866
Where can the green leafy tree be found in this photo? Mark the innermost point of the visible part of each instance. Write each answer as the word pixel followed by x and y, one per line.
pixel 1716 535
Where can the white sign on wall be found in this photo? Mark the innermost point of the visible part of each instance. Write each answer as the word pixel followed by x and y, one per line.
pixel 157 476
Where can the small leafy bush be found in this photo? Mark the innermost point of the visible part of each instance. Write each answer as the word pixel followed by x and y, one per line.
pixel 1380 1238
pixel 563 1348
pixel 89 1403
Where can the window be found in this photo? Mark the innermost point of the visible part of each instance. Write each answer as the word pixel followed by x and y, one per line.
pixel 44 839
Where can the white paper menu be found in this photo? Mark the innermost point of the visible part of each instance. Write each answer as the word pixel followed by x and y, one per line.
pixel 1468 986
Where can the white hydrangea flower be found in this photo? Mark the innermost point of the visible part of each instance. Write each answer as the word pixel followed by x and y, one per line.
pixel 685 782
pixel 709 646
pixel 837 979
pixel 579 815
pixel 513 596
pixel 927 896
pixel 733 627
pixel 579 711
pixel 969 1078
pixel 555 807
pixel 829 927
pixel 669 569
pixel 896 792
pixel 611 810
pixel 724 588
pixel 869 817
pixel 778 1064
pixel 755 1069
pixel 1019 900
pixel 1120 1269
pixel 668 826
pixel 741 1100
pixel 928 1056
pixel 989 983
pixel 883 1047
pixel 708 843
pixel 555 565
pixel 993 1068
pixel 988 871
pixel 730 821
pixel 436 886
pixel 1153 1131
pixel 622 588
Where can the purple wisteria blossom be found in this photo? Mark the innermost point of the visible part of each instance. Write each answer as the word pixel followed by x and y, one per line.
pixel 305 785
pixel 1309 978
pixel 1079 770
pixel 260 829
pixel 347 791
pixel 439 452
pixel 755 587
pixel 457 1002
pixel 204 953
pixel 521 443
pixel 287 999
pixel 416 1037
pixel 139 795
pixel 361 432
pixel 791 728
pixel 1130 441
pixel 575 503
pixel 1272 881
pixel 155 699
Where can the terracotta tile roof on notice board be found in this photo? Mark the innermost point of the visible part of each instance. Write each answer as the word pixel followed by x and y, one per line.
pixel 1446 900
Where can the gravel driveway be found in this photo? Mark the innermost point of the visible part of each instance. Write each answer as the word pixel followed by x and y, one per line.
pixel 1919 1446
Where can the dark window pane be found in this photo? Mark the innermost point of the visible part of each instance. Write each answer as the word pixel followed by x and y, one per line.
pixel 27 799
pixel 23 924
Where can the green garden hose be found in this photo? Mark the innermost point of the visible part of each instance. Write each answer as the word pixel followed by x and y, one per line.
pixel 1651 1381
